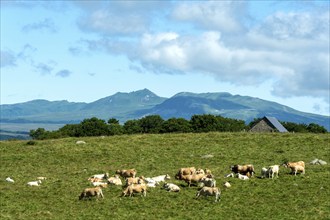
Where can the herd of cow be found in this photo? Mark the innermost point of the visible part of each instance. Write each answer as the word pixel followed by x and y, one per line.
pixel 190 175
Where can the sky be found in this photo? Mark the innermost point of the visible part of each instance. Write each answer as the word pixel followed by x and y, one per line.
pixel 82 51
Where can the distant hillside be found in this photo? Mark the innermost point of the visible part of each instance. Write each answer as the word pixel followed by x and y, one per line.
pixel 137 104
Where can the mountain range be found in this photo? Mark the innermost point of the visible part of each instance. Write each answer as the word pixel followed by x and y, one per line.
pixel 137 104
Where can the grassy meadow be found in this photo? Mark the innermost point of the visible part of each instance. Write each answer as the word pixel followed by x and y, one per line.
pixel 68 166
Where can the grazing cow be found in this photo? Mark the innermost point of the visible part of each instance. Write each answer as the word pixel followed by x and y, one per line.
pixel 295 167
pixel 91 192
pixel 185 171
pixel 272 170
pixel 242 177
pixel 34 183
pixel 227 185
pixel 8 179
pixel 171 187
pixel 206 181
pixel 135 188
pixel 247 169
pixel 189 179
pixel 209 191
pixel 115 180
pixel 126 173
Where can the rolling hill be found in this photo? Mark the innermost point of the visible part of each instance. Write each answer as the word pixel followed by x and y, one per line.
pixel 137 104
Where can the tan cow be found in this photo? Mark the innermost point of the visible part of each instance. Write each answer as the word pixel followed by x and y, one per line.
pixel 91 192
pixel 135 188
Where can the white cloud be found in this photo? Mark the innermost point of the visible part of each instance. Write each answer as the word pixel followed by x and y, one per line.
pixel 118 17
pixel 8 58
pixel 63 73
pixel 46 24
pixel 290 49
pixel 224 16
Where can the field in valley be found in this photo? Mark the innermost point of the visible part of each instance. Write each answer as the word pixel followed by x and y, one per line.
pixel 68 166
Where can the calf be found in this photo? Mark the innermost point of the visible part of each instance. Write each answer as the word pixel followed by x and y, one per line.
pixel 135 188
pixel 209 191
pixel 91 192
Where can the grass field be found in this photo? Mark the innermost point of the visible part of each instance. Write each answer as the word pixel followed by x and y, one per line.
pixel 68 166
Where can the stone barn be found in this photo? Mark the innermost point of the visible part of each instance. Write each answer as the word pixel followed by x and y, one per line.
pixel 268 124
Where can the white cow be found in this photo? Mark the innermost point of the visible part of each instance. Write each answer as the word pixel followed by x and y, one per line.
pixel 242 177
pixel 171 187
pixel 8 179
pixel 161 178
pixel 34 183
pixel 272 170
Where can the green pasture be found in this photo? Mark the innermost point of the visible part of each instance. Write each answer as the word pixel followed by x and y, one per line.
pixel 68 166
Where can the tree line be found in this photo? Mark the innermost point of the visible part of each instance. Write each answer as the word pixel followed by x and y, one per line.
pixel 154 124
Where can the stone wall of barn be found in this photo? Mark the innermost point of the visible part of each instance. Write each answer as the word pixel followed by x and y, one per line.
pixel 262 126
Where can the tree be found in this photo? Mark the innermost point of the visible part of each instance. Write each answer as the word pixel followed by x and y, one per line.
pixel 115 129
pixel 151 124
pixel 93 127
pixel 132 127
pixel 315 128
pixel 176 125
pixel 203 123
pixel 113 121
pixel 38 134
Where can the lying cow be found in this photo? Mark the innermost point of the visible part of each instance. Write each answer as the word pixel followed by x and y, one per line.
pixel 247 169
pixel 161 178
pixel 171 187
pixel 209 191
pixel 134 180
pixel 115 180
pixel 126 173
pixel 242 177
pixel 91 192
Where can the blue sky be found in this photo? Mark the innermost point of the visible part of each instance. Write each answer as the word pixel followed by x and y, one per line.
pixel 82 51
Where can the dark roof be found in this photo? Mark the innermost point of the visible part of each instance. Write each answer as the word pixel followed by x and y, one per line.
pixel 276 124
